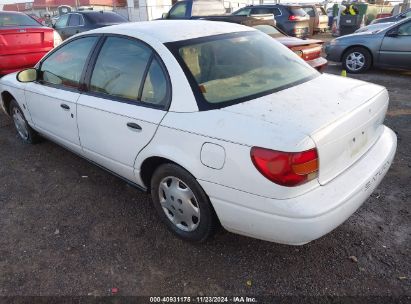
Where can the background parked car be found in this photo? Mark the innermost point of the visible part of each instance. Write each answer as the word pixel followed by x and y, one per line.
pixel 76 22
pixel 307 49
pixel 318 18
pixel 394 18
pixel 291 19
pixel 23 41
pixel 388 47
pixel 374 27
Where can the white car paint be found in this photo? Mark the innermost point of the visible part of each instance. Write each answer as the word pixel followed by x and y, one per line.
pixel 341 117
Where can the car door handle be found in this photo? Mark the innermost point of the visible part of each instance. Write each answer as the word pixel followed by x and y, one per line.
pixel 134 126
pixel 64 106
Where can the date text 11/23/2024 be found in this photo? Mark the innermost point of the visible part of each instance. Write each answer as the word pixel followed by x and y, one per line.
pixel 204 299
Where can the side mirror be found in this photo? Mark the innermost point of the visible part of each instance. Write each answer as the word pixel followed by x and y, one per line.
pixel 164 16
pixel 27 75
pixel 393 33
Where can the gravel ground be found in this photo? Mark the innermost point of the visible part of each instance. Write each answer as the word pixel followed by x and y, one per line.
pixel 69 228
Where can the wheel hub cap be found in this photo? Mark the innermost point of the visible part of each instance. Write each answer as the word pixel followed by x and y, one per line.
pixel 20 123
pixel 355 61
pixel 179 203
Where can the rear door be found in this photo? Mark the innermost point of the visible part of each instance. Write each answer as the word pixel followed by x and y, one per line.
pixel 396 50
pixel 127 97
pixel 52 99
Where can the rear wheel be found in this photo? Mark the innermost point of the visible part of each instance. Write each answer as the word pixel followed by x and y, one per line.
pixel 182 204
pixel 26 133
pixel 357 60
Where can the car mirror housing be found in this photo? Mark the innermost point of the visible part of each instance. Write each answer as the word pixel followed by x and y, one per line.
pixel 27 75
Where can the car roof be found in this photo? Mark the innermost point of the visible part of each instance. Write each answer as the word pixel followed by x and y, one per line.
pixel 172 30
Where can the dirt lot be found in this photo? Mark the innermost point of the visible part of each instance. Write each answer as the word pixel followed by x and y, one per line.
pixel 69 228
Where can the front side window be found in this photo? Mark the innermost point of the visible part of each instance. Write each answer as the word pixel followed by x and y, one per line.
pixel 404 29
pixel 120 68
pixel 179 10
pixel 232 68
pixel 65 66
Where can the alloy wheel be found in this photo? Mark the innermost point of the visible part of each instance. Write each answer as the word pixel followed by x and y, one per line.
pixel 20 123
pixel 355 61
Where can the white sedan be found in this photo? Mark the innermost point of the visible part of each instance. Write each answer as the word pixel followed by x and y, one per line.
pixel 221 123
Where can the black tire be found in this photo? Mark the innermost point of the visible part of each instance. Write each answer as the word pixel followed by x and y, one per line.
pixel 32 136
pixel 207 223
pixel 367 60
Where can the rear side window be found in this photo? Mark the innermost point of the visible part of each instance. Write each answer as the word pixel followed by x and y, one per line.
pixel 178 11
pixel 155 85
pixel 202 8
pixel 75 20
pixel 105 17
pixel 7 19
pixel 120 67
pixel 65 66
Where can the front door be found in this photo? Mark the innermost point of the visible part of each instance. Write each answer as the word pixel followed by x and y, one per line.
pixel 396 50
pixel 52 99
pixel 127 97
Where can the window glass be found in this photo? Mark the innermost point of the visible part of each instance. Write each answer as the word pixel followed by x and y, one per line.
pixel 207 8
pixel 65 66
pixel 178 11
pixel 155 85
pixel 13 19
pixel 62 21
pixel 260 10
pixel 309 11
pixel 269 30
pixel 408 14
pixel 120 68
pixel 404 29
pixel 74 20
pixel 297 11
pixel 230 67
pixel 105 17
pixel 243 12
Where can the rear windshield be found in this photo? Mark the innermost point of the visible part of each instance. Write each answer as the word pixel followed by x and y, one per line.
pixel 7 19
pixel 105 17
pixel 231 68
pixel 296 11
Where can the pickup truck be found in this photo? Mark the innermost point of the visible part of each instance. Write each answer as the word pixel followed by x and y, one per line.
pixel 213 10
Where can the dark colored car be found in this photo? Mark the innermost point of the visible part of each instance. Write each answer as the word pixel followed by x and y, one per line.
pixel 23 41
pixel 291 19
pixel 212 10
pixel 76 22
pixel 307 49
pixel 395 18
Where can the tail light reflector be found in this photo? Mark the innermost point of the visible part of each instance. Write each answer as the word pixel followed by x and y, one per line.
pixel 286 168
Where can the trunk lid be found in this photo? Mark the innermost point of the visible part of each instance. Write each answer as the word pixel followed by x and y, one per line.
pixel 21 40
pixel 342 116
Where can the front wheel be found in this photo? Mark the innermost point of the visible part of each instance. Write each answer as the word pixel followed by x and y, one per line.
pixel 26 133
pixel 182 204
pixel 357 60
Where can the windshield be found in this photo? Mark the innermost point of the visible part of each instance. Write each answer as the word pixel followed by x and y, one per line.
pixel 231 68
pixel 7 19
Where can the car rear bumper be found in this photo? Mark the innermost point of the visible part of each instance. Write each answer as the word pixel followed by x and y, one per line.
pixel 318 63
pixel 16 62
pixel 311 215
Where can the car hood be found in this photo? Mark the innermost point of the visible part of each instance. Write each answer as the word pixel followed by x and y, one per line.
pixel 292 41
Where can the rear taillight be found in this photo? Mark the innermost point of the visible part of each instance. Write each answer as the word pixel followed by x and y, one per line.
pixel 286 168
pixel 294 18
pixel 299 53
